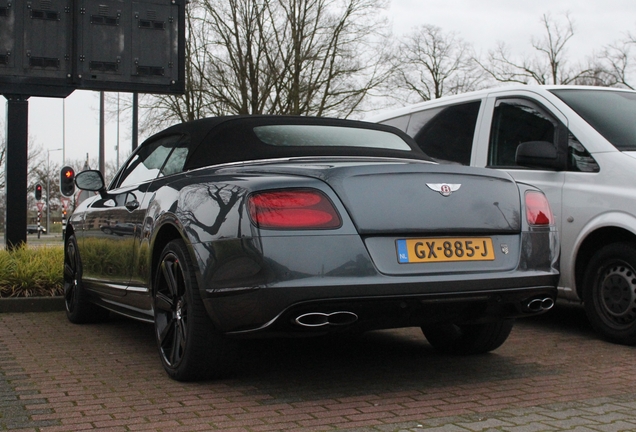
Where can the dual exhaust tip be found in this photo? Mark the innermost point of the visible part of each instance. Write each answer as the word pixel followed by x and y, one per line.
pixel 320 319
pixel 539 304
pixel 344 318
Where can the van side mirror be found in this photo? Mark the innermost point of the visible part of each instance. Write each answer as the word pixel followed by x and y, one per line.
pixel 539 154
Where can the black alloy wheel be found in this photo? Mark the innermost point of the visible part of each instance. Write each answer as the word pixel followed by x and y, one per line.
pixel 609 293
pixel 468 339
pixel 79 309
pixel 188 347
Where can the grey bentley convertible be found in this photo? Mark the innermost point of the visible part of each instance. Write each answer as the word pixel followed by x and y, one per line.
pixel 250 226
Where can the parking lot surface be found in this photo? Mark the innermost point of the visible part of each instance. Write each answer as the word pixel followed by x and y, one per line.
pixel 551 374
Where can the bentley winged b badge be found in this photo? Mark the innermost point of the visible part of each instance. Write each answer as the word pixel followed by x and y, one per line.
pixel 444 188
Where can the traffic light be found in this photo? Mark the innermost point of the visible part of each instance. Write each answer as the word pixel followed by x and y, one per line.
pixel 67 181
pixel 38 192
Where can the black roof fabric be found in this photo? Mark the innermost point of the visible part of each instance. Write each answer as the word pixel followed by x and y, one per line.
pixel 218 140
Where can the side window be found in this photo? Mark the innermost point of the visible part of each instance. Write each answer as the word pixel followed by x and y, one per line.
pixel 446 133
pixel 147 162
pixel 177 159
pixel 578 157
pixel 516 121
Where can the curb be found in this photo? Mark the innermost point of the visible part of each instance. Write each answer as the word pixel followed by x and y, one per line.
pixel 31 304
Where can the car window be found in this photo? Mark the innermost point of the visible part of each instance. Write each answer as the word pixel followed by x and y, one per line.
pixel 328 136
pixel 517 121
pixel 611 113
pixel 446 133
pixel 147 162
pixel 177 159
pixel 272 137
pixel 579 159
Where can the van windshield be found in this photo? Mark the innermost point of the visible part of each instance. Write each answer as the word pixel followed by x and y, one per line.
pixel 611 113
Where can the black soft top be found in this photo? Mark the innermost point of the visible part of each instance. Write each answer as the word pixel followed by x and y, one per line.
pixel 218 140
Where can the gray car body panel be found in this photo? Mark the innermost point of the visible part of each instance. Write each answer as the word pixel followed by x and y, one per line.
pixel 253 280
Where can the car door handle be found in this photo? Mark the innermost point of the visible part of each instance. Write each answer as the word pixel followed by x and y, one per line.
pixel 132 205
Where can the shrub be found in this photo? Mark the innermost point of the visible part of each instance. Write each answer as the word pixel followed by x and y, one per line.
pixel 29 272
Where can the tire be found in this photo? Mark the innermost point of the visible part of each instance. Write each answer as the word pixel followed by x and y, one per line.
pixel 609 293
pixel 468 339
pixel 188 347
pixel 79 310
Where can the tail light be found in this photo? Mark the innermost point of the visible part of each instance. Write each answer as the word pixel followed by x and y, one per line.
pixel 538 209
pixel 293 209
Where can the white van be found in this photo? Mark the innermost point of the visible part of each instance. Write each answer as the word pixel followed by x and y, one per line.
pixel 576 143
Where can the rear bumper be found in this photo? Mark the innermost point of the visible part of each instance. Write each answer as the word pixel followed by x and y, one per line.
pixel 252 287
pixel 303 310
pixel 315 317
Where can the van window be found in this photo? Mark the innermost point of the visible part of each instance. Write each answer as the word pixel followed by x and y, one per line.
pixel 610 112
pixel 579 159
pixel 446 133
pixel 401 122
pixel 514 122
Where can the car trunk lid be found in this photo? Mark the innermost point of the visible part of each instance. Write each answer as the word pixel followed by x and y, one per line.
pixel 426 198
pixel 393 196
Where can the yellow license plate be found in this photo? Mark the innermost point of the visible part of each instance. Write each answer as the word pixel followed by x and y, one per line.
pixel 445 249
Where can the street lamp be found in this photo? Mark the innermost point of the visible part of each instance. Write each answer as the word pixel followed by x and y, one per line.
pixel 48 184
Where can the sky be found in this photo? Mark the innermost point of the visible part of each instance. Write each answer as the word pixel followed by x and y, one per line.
pixel 482 23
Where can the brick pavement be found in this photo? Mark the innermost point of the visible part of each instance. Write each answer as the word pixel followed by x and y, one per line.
pixel 552 374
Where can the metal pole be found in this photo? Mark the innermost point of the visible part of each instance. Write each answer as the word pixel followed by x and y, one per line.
pixel 48 189
pixel 102 163
pixel 135 121
pixel 16 171
pixel 48 186
pixel 63 132
pixel 117 164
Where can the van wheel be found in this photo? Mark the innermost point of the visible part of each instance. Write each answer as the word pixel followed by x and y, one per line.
pixel 468 339
pixel 609 293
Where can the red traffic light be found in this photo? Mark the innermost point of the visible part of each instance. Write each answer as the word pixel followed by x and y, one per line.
pixel 38 191
pixel 67 181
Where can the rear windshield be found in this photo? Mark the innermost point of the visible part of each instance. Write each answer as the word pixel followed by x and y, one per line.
pixel 611 113
pixel 259 138
pixel 328 136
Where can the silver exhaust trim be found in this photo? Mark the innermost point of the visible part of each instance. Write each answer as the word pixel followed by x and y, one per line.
pixel 540 304
pixel 320 319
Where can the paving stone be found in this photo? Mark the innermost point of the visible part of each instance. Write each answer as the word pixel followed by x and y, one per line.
pixel 552 374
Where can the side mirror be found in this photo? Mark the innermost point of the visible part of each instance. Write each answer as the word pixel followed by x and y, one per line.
pixel 91 180
pixel 539 154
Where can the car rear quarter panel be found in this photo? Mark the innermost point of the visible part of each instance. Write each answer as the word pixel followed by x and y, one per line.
pixel 210 213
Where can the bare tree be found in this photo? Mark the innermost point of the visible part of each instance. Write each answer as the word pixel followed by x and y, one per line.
pixel 617 65
pixel 237 75
pixel 309 57
pixel 431 64
pixel 548 66
pixel 329 55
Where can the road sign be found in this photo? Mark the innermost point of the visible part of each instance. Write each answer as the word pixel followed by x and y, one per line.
pixel 65 202
pixel 40 205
